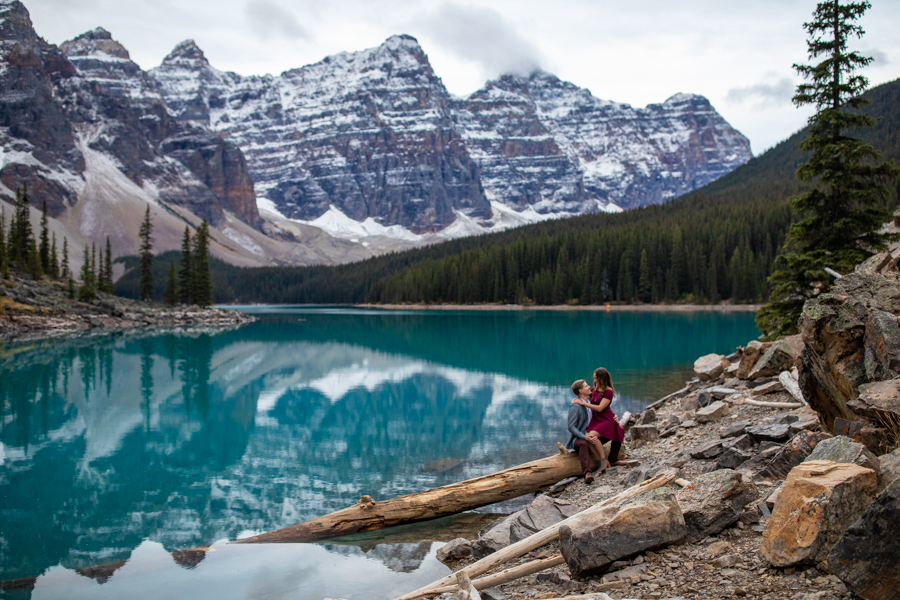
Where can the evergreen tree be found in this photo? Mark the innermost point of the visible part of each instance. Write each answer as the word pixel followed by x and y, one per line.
pixel 203 292
pixel 4 256
pixel 54 259
pixel 146 257
pixel 34 261
pixel 186 269
pixel 108 286
pixel 20 232
pixel 64 268
pixel 88 289
pixel 44 246
pixel 840 216
pixel 644 278
pixel 170 292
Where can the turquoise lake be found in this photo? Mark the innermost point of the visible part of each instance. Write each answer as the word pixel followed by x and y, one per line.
pixel 129 460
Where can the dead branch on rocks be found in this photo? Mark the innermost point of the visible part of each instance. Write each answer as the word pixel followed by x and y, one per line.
pixel 773 404
pixel 536 540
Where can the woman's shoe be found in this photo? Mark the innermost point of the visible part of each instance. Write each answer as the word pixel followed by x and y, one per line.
pixel 618 463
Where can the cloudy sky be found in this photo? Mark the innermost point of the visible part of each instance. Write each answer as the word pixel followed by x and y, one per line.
pixel 736 53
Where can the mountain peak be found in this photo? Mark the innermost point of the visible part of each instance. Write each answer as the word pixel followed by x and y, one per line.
pixel 186 52
pixel 96 41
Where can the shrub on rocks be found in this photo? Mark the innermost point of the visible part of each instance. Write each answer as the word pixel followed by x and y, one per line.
pixel 714 501
pixel 842 449
pixel 648 521
pixel 866 557
pixel 818 501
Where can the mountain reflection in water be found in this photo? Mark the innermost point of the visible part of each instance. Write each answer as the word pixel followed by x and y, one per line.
pixel 183 439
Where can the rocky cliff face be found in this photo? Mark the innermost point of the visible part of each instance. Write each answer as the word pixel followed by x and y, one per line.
pixel 550 145
pixel 369 133
pixel 376 135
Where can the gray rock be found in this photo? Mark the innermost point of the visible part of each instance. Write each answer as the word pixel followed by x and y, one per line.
pixel 779 357
pixel 714 501
pixel 648 521
pixel 454 551
pixel 494 536
pixel 732 458
pixel 708 450
pixel 879 401
pixel 805 423
pixel 493 594
pixel 644 433
pixel 704 398
pixel 841 449
pixel 628 573
pixel 888 469
pixel 543 512
pixel 647 417
pixel 772 433
pixel 882 346
pixel 866 557
pixel 744 442
pixel 720 391
pixel 688 424
pixel 767 445
pixel 710 366
pixel 749 356
pixel 690 403
pixel 636 476
pixel 673 421
pixel 713 412
pixel 735 429
pixel 668 432
pixel 768 388
pixel 792 454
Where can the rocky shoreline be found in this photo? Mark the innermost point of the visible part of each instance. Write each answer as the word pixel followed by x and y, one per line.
pixel 774 498
pixel 31 310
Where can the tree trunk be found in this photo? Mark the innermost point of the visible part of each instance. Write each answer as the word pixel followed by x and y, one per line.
pixel 368 515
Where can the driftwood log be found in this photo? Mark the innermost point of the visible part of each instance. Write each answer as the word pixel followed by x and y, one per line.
pixel 369 515
pixel 535 541
pixel 773 404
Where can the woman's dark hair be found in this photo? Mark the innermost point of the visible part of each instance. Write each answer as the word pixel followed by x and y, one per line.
pixel 576 387
pixel 603 377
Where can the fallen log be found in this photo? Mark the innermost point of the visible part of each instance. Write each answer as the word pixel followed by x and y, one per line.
pixel 523 570
pixel 538 539
pixel 369 515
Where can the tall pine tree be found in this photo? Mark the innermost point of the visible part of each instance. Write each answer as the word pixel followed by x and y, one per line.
pixel 4 257
pixel 170 292
pixel 44 244
pixel 203 290
pixel 146 257
pixel 840 216
pixel 186 269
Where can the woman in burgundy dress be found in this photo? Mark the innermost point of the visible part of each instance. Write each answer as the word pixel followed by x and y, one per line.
pixel 604 424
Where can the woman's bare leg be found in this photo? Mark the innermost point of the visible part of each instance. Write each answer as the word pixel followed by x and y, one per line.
pixel 597 450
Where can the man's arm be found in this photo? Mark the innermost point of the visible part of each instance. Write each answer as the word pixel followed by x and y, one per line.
pixel 574 411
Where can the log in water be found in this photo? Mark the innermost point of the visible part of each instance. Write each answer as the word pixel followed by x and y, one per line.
pixel 369 515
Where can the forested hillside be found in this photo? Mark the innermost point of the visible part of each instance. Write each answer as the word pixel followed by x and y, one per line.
pixel 717 243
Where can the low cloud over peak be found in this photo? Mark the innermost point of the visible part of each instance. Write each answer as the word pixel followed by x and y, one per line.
pixel 482 36
pixel 268 19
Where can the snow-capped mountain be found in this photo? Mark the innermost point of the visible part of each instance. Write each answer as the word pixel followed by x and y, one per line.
pixel 358 154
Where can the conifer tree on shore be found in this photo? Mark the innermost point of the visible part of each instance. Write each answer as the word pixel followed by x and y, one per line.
pixel 186 269
pixel 146 257
pixel 170 292
pixel 88 289
pixel 54 259
pixel 64 267
pixel 841 215
pixel 4 257
pixel 202 282
pixel 108 286
pixel 44 245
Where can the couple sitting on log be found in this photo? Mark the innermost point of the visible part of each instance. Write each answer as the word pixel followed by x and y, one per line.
pixel 593 423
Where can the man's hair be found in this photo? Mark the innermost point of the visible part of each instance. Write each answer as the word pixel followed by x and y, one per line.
pixel 576 387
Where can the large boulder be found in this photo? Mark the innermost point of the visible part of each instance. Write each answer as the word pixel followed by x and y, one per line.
pixel 713 501
pixel 648 521
pixel 841 449
pixel 777 432
pixel 867 557
pixel 454 551
pixel 710 367
pixel 833 326
pixel 543 512
pixel 817 503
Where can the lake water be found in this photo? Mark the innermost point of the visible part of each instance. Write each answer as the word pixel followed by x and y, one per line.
pixel 129 460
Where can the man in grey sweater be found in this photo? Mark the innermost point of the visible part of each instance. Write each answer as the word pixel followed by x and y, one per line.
pixel 579 419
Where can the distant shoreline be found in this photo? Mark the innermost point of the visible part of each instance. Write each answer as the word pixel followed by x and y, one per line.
pixel 566 307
